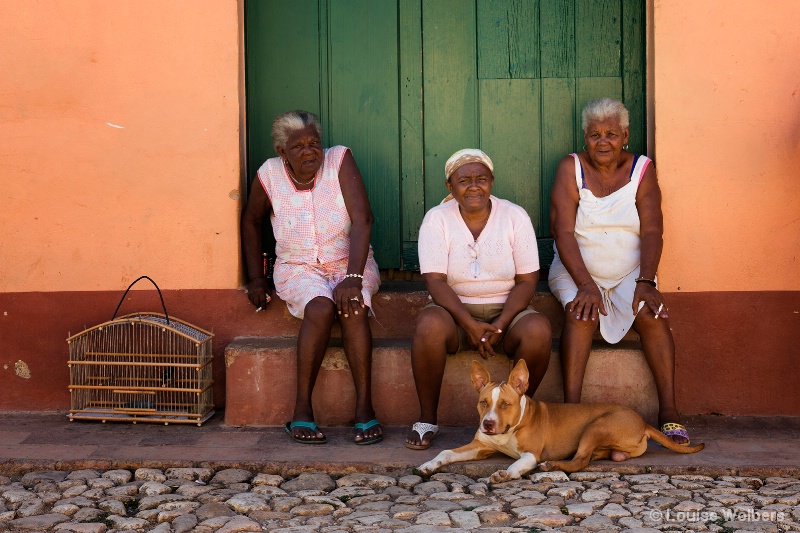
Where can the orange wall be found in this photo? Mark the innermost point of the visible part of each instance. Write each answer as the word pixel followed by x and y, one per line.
pixel 727 118
pixel 119 123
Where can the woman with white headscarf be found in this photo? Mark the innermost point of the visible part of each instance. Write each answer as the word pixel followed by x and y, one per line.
pixel 479 259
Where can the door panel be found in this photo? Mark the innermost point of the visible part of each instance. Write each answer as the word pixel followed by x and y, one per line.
pixel 363 104
pixel 407 83
pixel 450 95
pixel 557 23
pixel 508 39
pixel 634 72
pixel 558 109
pixel 511 136
pixel 412 158
pixel 598 40
pixel 284 74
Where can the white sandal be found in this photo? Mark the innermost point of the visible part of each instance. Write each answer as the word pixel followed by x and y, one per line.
pixel 421 428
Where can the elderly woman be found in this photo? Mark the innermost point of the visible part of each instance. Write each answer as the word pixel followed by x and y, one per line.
pixel 321 219
pixel 479 259
pixel 607 224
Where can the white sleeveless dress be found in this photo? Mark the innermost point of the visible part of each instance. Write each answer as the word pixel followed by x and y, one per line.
pixel 607 231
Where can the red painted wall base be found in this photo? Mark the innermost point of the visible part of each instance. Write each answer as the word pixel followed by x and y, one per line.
pixel 736 351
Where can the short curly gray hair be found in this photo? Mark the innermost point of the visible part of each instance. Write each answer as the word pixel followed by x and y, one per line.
pixel 291 121
pixel 602 109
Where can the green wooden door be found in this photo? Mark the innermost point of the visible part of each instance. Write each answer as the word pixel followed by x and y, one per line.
pixel 406 83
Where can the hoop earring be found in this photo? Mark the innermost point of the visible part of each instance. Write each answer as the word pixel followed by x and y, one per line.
pixel 584 147
pixel 625 147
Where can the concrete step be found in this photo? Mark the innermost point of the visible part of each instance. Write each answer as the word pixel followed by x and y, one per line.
pixel 261 382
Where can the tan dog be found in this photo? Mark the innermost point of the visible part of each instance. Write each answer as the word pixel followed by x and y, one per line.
pixel 533 432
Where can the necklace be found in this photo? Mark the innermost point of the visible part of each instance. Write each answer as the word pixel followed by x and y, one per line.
pixel 297 182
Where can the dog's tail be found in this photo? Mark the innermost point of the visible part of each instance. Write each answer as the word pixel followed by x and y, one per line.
pixel 667 442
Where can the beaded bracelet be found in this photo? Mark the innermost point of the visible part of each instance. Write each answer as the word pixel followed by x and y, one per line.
pixel 354 276
pixel 650 282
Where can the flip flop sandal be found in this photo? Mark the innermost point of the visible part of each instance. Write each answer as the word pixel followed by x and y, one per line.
pixel 363 427
pixel 301 424
pixel 421 428
pixel 671 429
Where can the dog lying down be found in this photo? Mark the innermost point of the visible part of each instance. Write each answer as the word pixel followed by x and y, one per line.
pixel 545 434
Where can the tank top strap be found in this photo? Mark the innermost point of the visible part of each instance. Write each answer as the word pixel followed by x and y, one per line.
pixel 633 165
pixel 638 168
pixel 579 180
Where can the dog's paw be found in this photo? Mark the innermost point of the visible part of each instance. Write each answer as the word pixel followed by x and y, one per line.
pixel 426 469
pixel 502 475
pixel 545 466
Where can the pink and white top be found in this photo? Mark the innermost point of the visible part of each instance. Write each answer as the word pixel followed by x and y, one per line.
pixel 310 226
pixel 479 270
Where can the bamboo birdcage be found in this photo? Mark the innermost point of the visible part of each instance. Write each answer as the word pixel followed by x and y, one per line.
pixel 141 367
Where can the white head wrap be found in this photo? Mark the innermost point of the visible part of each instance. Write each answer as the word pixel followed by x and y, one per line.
pixel 462 157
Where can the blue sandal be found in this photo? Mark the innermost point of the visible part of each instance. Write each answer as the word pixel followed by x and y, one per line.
pixel 363 427
pixel 301 424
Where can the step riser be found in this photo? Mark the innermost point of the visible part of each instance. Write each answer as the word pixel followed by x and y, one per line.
pixel 261 385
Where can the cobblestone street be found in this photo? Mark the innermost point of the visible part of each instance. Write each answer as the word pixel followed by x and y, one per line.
pixel 232 500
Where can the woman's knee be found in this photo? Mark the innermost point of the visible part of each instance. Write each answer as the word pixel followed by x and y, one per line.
pixel 648 326
pixel 433 320
pixel 434 323
pixel 320 309
pixel 539 326
pixel 356 324
pixel 532 329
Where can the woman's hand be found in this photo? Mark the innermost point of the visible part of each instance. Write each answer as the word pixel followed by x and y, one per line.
pixel 587 303
pixel 257 293
pixel 652 298
pixel 347 297
pixel 481 336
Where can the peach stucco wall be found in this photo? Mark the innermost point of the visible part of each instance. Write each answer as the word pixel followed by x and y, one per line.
pixel 727 118
pixel 119 143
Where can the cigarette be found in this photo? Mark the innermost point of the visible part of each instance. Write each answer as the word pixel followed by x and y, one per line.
pixel 660 307
pixel 259 309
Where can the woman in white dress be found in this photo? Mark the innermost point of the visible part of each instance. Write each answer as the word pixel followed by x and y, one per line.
pixel 607 223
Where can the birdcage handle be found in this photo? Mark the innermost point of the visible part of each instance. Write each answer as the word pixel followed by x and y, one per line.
pixel 164 307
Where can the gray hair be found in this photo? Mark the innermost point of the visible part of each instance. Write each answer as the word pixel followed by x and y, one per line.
pixel 603 109
pixel 291 121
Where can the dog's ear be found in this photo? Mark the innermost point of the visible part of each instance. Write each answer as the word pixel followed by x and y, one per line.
pixel 479 375
pixel 518 379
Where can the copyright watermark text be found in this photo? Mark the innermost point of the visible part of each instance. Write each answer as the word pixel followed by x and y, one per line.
pixel 729 515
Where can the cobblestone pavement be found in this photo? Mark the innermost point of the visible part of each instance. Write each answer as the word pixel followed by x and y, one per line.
pixel 203 500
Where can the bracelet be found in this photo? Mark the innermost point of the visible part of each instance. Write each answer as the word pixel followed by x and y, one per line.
pixel 650 282
pixel 354 276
